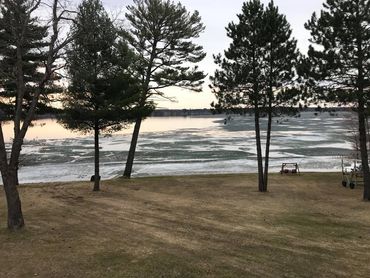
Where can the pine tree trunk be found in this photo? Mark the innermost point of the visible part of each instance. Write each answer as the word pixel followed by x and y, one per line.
pixel 96 144
pixel 131 153
pixel 367 131
pixel 135 134
pixel 268 143
pixel 363 150
pixel 15 216
pixel 16 177
pixel 269 118
pixel 259 149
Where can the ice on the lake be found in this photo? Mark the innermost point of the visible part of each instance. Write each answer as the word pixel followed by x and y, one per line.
pixel 315 142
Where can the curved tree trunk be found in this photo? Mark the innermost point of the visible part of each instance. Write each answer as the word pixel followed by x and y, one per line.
pixel 15 215
pixel 131 153
pixel 139 119
pixel 96 144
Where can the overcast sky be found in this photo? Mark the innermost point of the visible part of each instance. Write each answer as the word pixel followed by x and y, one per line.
pixel 216 14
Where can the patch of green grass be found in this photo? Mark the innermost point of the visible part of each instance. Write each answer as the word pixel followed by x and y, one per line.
pixel 121 264
pixel 313 225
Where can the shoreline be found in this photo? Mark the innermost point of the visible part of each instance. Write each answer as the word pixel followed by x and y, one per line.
pixel 206 175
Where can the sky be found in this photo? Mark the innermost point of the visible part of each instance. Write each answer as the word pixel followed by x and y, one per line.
pixel 216 14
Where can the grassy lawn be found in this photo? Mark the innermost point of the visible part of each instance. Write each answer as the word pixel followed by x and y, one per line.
pixel 198 226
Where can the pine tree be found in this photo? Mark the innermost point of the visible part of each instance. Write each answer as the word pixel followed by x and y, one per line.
pixel 102 94
pixel 32 42
pixel 257 71
pixel 281 61
pixel 161 34
pixel 239 81
pixel 339 62
pixel 32 56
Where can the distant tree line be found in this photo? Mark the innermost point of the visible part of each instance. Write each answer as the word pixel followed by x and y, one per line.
pixel 108 75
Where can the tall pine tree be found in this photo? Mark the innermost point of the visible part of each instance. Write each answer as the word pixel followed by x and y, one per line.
pixel 102 95
pixel 31 40
pixel 339 62
pixel 280 65
pixel 24 54
pixel 257 71
pixel 20 40
pixel 161 34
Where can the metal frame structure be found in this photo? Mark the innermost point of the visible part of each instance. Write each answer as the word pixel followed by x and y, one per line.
pixel 290 168
pixel 352 174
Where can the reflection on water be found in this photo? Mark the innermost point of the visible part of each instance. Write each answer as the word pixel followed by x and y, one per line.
pixel 181 146
pixel 50 129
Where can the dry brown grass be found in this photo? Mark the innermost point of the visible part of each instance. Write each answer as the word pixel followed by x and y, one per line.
pixel 198 226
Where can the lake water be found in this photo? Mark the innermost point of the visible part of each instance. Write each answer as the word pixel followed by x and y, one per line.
pixel 183 146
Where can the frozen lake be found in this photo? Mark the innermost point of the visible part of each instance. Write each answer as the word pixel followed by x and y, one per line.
pixel 182 146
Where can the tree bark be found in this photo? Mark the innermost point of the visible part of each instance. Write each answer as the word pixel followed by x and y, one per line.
pixel 16 179
pixel 268 143
pixel 362 116
pixel 16 176
pixel 96 144
pixel 367 130
pixel 269 118
pixel 131 153
pixel 363 150
pixel 15 215
pixel 145 90
pixel 259 149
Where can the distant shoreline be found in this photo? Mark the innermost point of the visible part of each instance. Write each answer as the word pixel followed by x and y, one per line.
pixel 210 112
